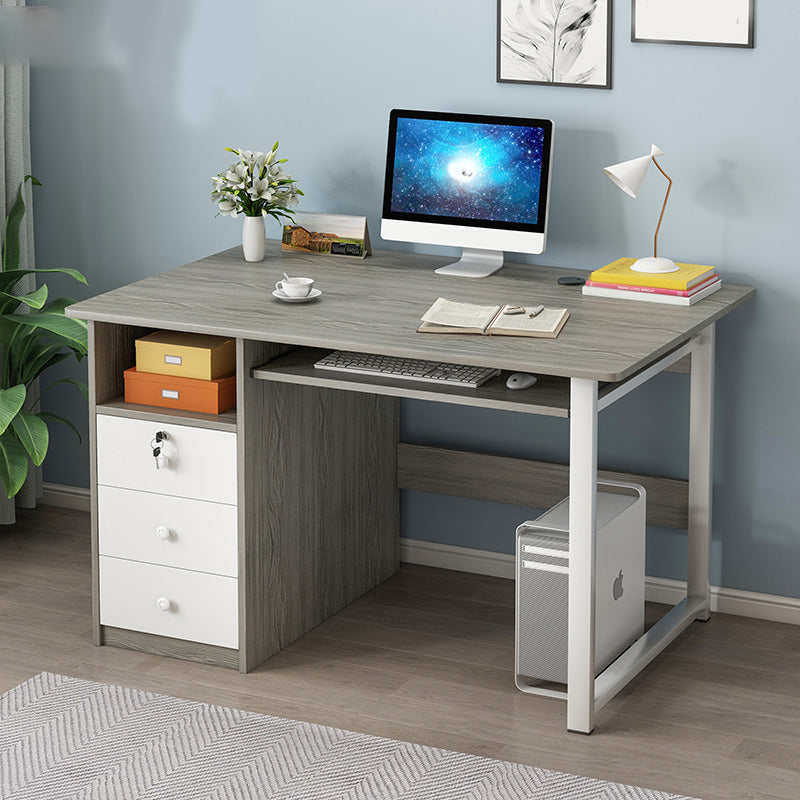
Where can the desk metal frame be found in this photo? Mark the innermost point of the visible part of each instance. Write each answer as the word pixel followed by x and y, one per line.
pixel 587 694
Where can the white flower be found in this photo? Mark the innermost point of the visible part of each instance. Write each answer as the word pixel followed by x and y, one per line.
pixel 233 179
pixel 256 184
pixel 229 206
pixel 258 163
pixel 260 190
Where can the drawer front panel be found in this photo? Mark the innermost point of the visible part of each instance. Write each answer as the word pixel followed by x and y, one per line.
pixel 171 531
pixel 169 602
pixel 200 463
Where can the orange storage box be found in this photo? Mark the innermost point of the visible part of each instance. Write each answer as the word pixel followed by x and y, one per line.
pixel 187 394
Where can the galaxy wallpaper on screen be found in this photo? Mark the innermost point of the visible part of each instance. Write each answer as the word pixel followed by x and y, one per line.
pixel 470 170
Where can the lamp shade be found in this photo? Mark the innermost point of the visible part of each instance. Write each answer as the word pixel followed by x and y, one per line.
pixel 629 175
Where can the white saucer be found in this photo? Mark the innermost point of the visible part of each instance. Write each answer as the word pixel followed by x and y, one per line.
pixel 312 295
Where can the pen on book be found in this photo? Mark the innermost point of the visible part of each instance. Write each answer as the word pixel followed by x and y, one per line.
pixel 534 311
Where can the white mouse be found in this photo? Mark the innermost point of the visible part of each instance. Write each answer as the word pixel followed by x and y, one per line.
pixel 520 380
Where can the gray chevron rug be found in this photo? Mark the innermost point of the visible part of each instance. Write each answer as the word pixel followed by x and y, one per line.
pixel 65 738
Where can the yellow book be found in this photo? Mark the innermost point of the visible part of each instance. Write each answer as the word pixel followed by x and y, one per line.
pixel 620 271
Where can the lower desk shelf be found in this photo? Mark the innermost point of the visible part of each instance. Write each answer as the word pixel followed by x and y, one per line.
pixel 118 407
pixel 549 396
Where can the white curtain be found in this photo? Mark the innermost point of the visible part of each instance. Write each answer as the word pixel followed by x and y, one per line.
pixel 15 153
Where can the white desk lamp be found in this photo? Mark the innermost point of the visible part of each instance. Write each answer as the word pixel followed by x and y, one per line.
pixel 629 176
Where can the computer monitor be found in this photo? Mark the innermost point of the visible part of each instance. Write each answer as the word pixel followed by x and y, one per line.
pixel 477 182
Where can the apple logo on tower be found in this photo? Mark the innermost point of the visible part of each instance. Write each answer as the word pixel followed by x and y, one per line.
pixel 617 589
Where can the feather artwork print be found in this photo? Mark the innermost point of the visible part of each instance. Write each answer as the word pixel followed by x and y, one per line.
pixel 545 41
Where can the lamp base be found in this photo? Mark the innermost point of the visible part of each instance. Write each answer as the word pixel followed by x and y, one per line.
pixel 654 265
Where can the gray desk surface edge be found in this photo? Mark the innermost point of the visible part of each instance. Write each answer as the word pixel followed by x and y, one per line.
pixel 374 305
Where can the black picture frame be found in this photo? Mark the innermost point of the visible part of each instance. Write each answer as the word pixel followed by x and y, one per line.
pixel 511 61
pixel 748 43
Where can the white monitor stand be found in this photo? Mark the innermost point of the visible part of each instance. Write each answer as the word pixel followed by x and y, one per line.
pixel 474 263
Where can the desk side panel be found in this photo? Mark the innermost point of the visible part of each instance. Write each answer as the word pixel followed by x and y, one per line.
pixel 320 514
pixel 111 352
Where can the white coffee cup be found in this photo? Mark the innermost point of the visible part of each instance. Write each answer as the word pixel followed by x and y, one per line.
pixel 295 287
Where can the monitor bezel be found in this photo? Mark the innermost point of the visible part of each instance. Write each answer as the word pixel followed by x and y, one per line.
pixel 526 122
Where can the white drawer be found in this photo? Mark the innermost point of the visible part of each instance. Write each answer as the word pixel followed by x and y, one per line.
pixel 202 462
pixel 171 531
pixel 197 607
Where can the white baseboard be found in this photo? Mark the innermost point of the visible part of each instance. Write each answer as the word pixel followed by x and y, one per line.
pixel 657 590
pixel 55 494
pixel 501 565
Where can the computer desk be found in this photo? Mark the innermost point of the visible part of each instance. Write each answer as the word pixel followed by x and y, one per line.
pixel 316 453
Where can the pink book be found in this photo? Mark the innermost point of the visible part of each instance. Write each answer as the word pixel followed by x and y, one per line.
pixel 653 290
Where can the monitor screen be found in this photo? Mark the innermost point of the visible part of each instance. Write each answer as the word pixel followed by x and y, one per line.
pixel 469 170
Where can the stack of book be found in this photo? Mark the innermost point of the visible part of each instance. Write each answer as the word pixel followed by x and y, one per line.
pixel 690 283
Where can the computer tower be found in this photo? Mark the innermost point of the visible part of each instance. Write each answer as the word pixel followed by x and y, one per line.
pixel 543 584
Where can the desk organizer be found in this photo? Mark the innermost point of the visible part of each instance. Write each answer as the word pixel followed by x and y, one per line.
pixel 186 355
pixel 543 585
pixel 185 371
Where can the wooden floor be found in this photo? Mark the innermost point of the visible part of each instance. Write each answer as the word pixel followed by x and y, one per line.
pixel 428 657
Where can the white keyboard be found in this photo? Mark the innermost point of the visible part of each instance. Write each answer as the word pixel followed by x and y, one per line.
pixel 409 369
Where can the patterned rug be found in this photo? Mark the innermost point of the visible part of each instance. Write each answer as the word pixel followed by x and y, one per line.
pixel 62 737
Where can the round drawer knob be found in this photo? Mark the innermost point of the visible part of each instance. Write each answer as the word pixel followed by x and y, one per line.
pixel 163 532
pixel 164 603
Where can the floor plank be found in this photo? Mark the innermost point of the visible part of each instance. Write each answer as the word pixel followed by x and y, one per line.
pixel 428 657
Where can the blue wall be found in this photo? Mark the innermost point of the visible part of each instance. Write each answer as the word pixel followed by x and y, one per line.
pixel 126 137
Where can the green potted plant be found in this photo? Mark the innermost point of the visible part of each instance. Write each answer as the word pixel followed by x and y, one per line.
pixel 34 335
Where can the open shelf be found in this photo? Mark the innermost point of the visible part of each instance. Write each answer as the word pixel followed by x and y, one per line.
pixel 119 408
pixel 549 397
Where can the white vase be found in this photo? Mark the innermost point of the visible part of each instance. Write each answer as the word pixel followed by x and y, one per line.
pixel 254 237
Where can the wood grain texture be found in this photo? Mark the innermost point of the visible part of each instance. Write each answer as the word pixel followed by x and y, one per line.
pixel 522 482
pixel 427 657
pixel 375 305
pixel 174 648
pixel 254 553
pixel 319 488
pixel 197 419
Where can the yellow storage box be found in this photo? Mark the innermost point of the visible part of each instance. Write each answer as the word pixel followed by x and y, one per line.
pixel 187 355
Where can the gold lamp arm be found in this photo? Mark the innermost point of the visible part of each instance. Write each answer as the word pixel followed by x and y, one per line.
pixel 663 208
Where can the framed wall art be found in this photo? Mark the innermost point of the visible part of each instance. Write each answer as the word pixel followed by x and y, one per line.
pixel 554 42
pixel 720 23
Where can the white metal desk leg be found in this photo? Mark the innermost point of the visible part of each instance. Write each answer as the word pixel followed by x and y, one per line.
pixel 582 551
pixel 701 431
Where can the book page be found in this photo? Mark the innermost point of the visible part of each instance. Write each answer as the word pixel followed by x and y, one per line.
pixel 547 321
pixel 460 315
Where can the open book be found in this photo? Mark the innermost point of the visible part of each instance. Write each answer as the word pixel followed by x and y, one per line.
pixel 450 316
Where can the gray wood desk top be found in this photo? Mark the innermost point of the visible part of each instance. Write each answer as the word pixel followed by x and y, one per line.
pixel 375 305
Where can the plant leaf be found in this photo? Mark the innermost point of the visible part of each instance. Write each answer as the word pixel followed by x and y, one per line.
pixel 84 389
pixel 71 331
pixel 34 299
pixel 57 418
pixel 42 358
pixel 32 434
pixel 542 39
pixel 11 401
pixel 11 249
pixel 13 463
pixel 10 276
